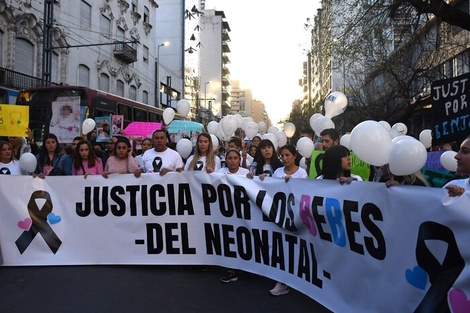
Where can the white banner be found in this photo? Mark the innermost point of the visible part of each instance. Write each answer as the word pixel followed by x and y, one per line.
pixel 353 248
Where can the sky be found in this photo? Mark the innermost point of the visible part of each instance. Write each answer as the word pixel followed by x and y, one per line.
pixel 268 47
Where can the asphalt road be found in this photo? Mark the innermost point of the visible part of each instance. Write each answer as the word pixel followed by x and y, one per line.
pixel 141 289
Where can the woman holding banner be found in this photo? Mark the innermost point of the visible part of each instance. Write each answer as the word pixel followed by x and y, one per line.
pixel 265 160
pixel 50 161
pixel 8 163
pixel 290 168
pixel 85 162
pixel 288 171
pixel 122 162
pixel 337 165
pixel 204 158
pixel 459 186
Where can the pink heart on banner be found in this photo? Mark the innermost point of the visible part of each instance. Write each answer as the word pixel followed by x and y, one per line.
pixel 458 301
pixel 25 224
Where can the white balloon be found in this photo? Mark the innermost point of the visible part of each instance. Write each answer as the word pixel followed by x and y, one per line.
pixel 305 147
pixel 371 142
pixel 426 138
pixel 251 129
pixel 229 124
pixel 448 161
pixel 184 147
pixel 345 140
pixel 272 138
pixel 289 129
pixel 407 156
pixel 183 107
pixel 386 125
pixel 239 119
pixel 302 163
pixel 168 115
pixel 400 128
pixel 262 126
pixel 215 142
pixel 322 123
pixel 28 162
pixel 313 119
pixel 393 133
pixel 220 134
pixel 281 138
pixel 88 125
pixel 272 129
pixel 245 121
pixel 335 104
pixel 212 127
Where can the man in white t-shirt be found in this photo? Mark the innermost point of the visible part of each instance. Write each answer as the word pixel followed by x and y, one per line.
pixel 161 159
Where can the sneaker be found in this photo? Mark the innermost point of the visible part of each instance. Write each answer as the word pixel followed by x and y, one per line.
pixel 229 277
pixel 279 289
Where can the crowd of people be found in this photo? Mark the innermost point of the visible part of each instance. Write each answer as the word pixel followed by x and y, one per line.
pixel 258 158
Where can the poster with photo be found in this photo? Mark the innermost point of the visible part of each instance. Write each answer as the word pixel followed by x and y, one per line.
pixel 103 128
pixel 65 121
pixel 118 123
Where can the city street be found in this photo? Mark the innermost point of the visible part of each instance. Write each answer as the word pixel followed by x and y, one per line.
pixel 140 289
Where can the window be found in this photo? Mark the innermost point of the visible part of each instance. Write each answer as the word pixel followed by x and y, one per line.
pixel 105 26
pixel 24 56
pixel 145 53
pixel 133 93
pixel 120 88
pixel 125 110
pixel 146 14
pixel 83 75
pixel 85 14
pixel 154 117
pixel 104 82
pixel 55 68
pixel 461 63
pixel 1 47
pixel 134 5
pixel 121 34
pixel 145 97
pixel 140 115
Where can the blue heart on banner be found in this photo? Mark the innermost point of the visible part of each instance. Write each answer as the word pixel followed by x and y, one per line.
pixel 417 277
pixel 53 219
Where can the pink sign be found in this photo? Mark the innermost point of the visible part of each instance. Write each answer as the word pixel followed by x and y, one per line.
pixel 143 129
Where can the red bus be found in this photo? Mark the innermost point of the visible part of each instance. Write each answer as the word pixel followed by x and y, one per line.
pixel 94 102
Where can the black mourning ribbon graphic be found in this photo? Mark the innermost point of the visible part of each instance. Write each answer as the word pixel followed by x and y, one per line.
pixel 268 173
pixel 198 166
pixel 442 276
pixel 39 224
pixel 5 171
pixel 157 164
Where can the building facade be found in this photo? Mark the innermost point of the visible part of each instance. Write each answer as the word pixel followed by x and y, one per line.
pixel 107 45
pixel 215 73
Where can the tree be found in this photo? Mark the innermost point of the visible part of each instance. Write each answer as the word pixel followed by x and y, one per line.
pixel 449 13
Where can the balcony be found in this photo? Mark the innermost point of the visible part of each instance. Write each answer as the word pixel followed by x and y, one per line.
pixel 18 81
pixel 125 53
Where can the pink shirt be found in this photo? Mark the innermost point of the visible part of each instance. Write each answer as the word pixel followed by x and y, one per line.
pixel 115 165
pixel 95 170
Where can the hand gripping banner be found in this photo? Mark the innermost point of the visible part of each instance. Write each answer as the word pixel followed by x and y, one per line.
pixel 39 224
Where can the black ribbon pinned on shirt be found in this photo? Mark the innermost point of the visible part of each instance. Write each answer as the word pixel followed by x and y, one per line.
pixel 39 224
pixel 199 165
pixel 442 276
pixel 157 164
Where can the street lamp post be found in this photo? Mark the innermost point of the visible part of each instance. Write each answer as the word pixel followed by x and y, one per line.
pixel 157 87
pixel 205 97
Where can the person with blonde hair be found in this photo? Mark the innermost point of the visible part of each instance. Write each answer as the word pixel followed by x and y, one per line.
pixel 204 158
pixel 9 165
